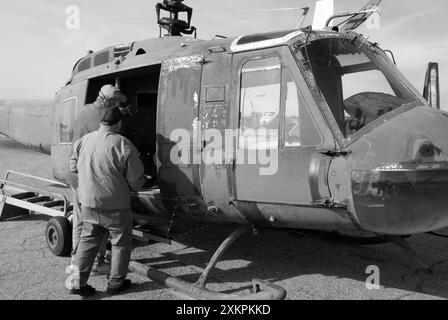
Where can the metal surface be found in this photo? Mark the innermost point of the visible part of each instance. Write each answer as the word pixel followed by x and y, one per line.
pixel 431 91
pixel 356 18
pixel 173 24
pixel 410 181
pixel 219 252
pixel 308 268
pixel 314 187
pixel 263 44
pixel 32 207
pixel 15 120
pixel 146 236
pixel 60 147
pixel 21 174
pixel 17 195
pixel 304 12
pixel 262 290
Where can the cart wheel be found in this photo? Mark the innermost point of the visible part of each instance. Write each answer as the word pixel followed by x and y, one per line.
pixel 59 236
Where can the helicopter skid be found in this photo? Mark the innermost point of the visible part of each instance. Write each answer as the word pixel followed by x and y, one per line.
pixel 263 290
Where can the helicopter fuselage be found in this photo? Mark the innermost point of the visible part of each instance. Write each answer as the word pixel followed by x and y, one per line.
pixel 336 158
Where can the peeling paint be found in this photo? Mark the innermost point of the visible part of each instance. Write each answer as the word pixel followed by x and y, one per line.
pixel 175 64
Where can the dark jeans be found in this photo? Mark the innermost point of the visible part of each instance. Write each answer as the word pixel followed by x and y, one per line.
pixel 97 222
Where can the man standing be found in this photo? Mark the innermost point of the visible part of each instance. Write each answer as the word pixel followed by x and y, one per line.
pixel 108 167
pixel 89 121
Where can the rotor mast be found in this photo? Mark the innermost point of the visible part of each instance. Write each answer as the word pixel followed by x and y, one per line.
pixel 173 24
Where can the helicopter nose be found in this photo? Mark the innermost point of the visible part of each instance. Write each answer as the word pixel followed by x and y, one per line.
pixel 399 176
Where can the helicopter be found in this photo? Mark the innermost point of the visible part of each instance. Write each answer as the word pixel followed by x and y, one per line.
pixel 331 152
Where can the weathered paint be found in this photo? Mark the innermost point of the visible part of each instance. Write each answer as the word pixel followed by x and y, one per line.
pixel 198 82
pixel 393 147
pixel 60 151
pixel 180 80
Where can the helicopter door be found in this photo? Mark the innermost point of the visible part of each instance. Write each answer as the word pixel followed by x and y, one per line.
pixel 68 102
pixel 177 116
pixel 277 159
pixel 214 115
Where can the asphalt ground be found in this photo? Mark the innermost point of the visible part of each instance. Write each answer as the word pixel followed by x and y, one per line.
pixel 307 267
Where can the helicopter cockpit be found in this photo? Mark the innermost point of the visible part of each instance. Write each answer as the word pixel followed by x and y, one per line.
pixel 358 81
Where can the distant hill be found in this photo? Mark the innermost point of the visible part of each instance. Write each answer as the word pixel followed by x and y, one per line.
pixel 26 103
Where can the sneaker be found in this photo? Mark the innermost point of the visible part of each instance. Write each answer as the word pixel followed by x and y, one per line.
pixel 85 291
pixel 116 290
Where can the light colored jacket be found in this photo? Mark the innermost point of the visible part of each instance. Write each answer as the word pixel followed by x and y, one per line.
pixel 108 168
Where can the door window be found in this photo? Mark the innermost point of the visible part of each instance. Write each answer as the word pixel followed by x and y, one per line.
pixel 260 104
pixel 66 120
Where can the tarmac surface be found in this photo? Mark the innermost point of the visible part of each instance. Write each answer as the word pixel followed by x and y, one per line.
pixel 307 267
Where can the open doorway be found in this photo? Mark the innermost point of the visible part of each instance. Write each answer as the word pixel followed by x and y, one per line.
pixel 140 128
pixel 140 86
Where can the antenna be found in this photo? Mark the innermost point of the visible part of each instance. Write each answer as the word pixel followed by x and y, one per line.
pixel 172 24
pixel 302 17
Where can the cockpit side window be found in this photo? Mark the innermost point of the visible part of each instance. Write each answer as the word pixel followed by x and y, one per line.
pixel 355 83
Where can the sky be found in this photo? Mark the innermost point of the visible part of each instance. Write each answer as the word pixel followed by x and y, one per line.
pixel 38 51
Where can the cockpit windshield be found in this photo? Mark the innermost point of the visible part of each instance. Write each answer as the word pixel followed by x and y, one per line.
pixel 356 82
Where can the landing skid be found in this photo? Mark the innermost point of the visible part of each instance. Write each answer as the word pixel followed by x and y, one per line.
pixel 262 290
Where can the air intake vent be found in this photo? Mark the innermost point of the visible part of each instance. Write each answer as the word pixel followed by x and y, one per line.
pixel 122 50
pixel 140 51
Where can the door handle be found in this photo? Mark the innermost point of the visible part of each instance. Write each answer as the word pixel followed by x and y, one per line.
pixel 336 153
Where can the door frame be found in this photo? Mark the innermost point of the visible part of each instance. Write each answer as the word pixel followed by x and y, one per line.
pixel 60 151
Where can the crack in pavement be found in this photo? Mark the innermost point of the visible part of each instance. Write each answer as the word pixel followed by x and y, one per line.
pixel 421 282
pixel 437 263
pixel 27 288
pixel 21 250
pixel 365 258
pixel 3 275
pixel 425 246
pixel 29 238
pixel 31 268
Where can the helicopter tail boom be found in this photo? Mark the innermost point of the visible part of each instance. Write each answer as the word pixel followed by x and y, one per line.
pixel 27 122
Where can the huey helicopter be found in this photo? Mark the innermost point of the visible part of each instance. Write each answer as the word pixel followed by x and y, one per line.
pixel 354 148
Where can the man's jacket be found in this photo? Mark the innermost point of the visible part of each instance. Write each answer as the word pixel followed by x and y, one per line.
pixel 87 121
pixel 108 167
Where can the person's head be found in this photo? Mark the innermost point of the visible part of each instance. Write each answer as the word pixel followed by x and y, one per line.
pixel 111 117
pixel 111 96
